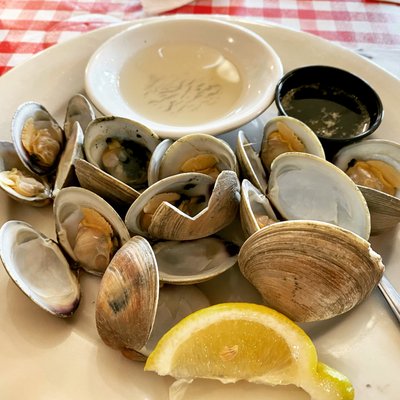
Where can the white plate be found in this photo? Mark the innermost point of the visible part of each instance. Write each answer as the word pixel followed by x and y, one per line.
pixel 237 54
pixel 42 357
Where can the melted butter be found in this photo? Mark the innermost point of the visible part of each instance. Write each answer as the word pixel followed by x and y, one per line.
pixel 181 84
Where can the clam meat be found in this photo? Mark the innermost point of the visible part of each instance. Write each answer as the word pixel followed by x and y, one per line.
pixel 120 147
pixel 374 165
pixel 186 206
pixel 37 137
pixel 19 182
pixel 88 228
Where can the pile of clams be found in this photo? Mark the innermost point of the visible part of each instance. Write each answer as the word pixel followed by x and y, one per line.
pixel 158 221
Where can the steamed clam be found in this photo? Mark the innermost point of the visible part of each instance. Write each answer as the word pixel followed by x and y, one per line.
pixel 250 163
pixel 122 148
pixel 374 165
pixel 256 211
pixel 38 267
pixel 185 206
pixel 132 313
pixel 310 270
pixel 80 110
pixel 37 137
pixel 281 134
pixel 304 186
pixel 88 228
pixel 196 153
pixel 20 183
pixel 42 148
pixel 286 134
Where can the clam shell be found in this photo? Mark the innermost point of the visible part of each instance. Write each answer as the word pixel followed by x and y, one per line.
pixel 103 128
pixel 193 261
pixel 38 113
pixel 251 167
pixel 73 150
pixel 80 110
pixel 132 312
pixel 310 270
pixel 72 199
pixel 304 186
pixel 221 198
pixel 115 192
pixel 153 171
pixel 253 205
pixel 307 137
pixel 384 208
pixel 193 145
pixel 38 267
pixel 127 299
pixel 9 159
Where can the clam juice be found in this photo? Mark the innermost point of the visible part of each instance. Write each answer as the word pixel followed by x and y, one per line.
pixel 181 84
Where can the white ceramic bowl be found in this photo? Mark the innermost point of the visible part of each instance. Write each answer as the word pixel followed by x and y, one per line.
pixel 184 75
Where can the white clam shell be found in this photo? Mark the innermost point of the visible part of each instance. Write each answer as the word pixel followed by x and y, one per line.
pixel 128 295
pixel 80 110
pixel 40 113
pixel 72 151
pixel 68 203
pixel 194 261
pixel 9 159
pixel 253 204
pixel 220 198
pixel 384 208
pixel 103 128
pixel 304 186
pixel 192 145
pixel 310 270
pixel 38 267
pixel 250 163
pixel 132 311
pixel 309 139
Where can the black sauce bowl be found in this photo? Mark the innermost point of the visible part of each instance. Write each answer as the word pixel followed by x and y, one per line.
pixel 320 85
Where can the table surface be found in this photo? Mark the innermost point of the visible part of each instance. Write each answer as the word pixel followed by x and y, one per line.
pixel 371 28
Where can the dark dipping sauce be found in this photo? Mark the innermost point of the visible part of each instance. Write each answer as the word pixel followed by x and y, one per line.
pixel 338 106
pixel 329 111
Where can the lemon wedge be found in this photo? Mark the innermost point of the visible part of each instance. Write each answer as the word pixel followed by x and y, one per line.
pixel 242 341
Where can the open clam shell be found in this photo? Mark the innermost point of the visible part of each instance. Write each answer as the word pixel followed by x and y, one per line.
pixel 193 261
pixel 86 222
pixel 153 172
pixel 216 204
pixel 80 110
pixel 37 137
pixel 65 175
pixel 122 148
pixel 197 152
pixel 115 192
pixel 128 295
pixel 384 207
pixel 286 134
pixel 34 191
pixel 249 160
pixel 310 270
pixel 255 209
pixel 132 312
pixel 304 186
pixel 38 267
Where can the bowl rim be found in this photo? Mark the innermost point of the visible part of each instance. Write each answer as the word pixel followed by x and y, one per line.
pixel 213 127
pixel 321 67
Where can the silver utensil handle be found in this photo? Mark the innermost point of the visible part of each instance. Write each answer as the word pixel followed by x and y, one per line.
pixel 391 295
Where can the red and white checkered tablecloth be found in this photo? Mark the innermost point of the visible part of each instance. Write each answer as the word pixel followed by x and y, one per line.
pixel 370 27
